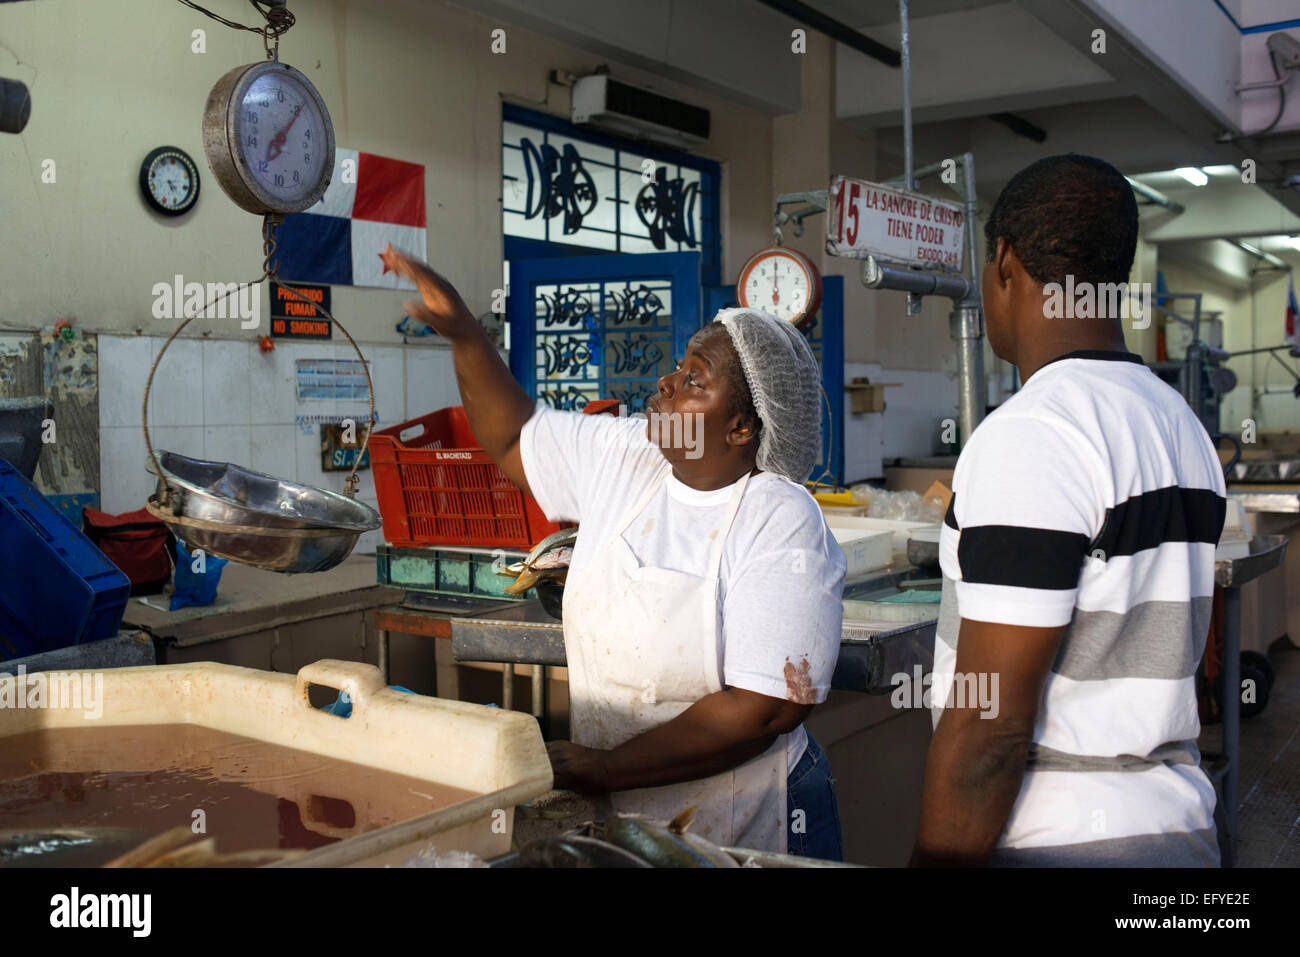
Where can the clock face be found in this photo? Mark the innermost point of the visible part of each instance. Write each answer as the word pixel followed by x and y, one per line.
pixel 280 129
pixel 169 180
pixel 780 282
pixel 268 138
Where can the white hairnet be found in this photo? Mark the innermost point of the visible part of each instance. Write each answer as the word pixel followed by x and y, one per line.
pixel 785 383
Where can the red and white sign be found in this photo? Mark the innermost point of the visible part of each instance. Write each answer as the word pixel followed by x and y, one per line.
pixel 867 219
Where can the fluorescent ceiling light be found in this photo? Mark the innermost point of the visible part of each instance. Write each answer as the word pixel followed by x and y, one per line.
pixel 1293 242
pixel 1193 175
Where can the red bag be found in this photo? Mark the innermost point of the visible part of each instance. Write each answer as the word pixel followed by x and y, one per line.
pixel 135 542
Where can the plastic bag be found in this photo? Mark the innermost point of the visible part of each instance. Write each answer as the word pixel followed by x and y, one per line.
pixel 195 588
pixel 342 705
pixel 905 506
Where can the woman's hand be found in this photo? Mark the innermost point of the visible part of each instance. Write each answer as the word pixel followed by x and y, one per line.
pixel 442 308
pixel 577 768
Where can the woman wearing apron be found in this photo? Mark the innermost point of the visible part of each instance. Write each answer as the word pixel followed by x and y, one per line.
pixel 702 607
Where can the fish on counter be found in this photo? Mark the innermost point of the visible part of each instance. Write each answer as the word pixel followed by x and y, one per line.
pixel 666 845
pixel 628 840
pixel 576 851
pixel 67 847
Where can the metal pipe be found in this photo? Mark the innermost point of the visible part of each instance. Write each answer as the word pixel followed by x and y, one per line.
pixel 972 391
pixel 1258 253
pixel 920 174
pixel 539 694
pixel 876 275
pixel 1157 197
pixel 834 29
pixel 908 180
pixel 968 320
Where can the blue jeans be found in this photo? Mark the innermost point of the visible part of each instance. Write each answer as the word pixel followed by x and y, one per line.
pixel 810 789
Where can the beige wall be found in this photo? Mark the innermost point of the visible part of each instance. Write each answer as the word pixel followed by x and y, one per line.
pixel 416 81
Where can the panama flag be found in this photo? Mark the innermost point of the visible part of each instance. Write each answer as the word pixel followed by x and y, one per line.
pixel 371 201
pixel 1292 316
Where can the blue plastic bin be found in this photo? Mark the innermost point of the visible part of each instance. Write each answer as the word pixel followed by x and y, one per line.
pixel 56 588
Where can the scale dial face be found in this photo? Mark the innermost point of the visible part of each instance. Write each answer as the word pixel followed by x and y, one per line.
pixel 169 181
pixel 782 282
pixel 269 139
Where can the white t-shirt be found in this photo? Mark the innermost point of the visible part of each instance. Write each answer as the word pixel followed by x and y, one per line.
pixel 782 571
pixel 1093 498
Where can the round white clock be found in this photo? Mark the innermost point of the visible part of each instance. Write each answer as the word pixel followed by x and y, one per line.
pixel 268 138
pixel 783 282
pixel 169 181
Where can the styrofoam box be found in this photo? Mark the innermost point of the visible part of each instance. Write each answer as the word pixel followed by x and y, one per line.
pixel 890 611
pixel 1234 540
pixel 899 530
pixel 864 550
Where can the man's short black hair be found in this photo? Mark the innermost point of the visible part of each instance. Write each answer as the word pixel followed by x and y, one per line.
pixel 1070 214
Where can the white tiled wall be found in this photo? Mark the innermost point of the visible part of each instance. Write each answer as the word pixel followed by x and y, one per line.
pixel 915 410
pixel 230 402
pixel 863 431
pixel 909 426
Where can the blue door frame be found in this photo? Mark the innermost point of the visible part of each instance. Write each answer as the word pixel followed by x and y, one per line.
pixel 596 309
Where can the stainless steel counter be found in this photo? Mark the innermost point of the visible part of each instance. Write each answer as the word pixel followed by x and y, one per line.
pixel 870 654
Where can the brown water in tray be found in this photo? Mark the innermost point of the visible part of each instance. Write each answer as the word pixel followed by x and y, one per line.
pixel 152 778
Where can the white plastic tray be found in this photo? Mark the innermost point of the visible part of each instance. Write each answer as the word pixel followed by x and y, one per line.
pixel 864 550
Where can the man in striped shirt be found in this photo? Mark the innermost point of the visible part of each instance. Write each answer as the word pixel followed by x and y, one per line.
pixel 1078 564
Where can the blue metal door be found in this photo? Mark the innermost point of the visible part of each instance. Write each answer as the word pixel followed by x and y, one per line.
pixel 600 327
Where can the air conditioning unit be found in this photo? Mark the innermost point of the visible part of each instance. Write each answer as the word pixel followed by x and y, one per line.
pixel 608 104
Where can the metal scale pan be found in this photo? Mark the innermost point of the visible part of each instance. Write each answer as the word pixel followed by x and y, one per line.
pixel 257 519
pixel 253 518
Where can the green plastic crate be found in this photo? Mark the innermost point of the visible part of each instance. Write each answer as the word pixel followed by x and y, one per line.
pixel 438 571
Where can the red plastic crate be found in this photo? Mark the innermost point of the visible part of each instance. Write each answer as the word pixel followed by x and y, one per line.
pixel 438 487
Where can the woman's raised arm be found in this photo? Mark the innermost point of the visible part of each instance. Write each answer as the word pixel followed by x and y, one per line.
pixel 495 404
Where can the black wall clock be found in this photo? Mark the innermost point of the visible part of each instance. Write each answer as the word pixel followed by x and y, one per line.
pixel 169 181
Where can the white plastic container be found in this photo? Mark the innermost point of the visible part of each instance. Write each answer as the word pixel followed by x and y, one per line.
pixel 499 755
pixel 1234 540
pixel 864 550
pixel 894 612
pixel 900 531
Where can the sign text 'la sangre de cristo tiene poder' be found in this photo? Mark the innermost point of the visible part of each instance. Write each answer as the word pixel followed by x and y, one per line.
pixel 868 219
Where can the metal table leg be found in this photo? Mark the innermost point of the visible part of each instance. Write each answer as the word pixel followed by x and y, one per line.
pixel 508 686
pixel 382 635
pixel 539 696
pixel 1231 714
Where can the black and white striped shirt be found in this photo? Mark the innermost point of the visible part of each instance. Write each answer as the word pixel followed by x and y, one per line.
pixel 1094 498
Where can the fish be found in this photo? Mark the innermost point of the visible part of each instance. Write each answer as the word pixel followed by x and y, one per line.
pixel 549 558
pixel 576 851
pixel 665 845
pixel 530 577
pixel 555 558
pixel 65 846
pixel 565 536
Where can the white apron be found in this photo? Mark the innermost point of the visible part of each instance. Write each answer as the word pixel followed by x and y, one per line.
pixel 642 646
